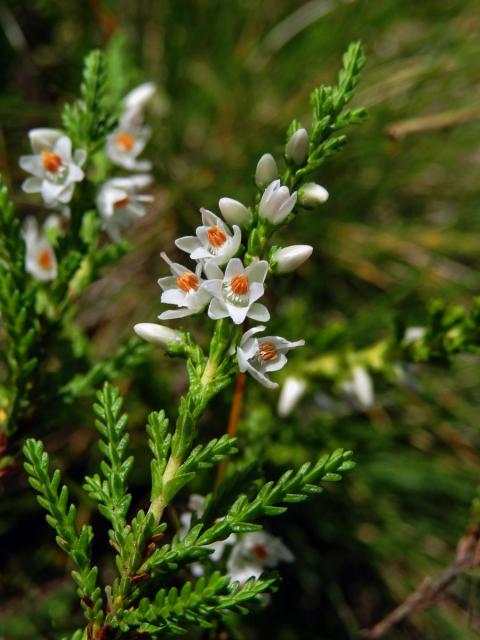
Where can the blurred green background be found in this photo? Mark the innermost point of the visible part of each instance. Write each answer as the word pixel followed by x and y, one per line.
pixel 401 228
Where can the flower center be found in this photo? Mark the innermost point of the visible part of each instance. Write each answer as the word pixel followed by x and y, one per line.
pixel 125 141
pixel 267 351
pixel 216 237
pixel 187 282
pixel 52 162
pixel 45 259
pixel 239 285
pixel 120 204
pixel 259 551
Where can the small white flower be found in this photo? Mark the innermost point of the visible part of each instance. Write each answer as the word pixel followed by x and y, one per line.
pixel 253 553
pixel 266 171
pixel 158 334
pixel 125 145
pixel 234 211
pixel 359 388
pixel 260 356
pixel 55 171
pixel 196 505
pixel 412 334
pixel 235 293
pixel 214 241
pixel 311 195
pixel 290 258
pixel 297 147
pixel 292 392
pixel 119 203
pixel 276 202
pixel 40 260
pixel 185 289
pixel 135 102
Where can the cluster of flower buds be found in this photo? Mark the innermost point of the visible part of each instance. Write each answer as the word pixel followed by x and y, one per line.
pixel 226 283
pixel 56 169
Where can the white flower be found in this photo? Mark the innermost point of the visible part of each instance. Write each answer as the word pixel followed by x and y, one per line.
pixel 359 388
pixel 234 211
pixel 214 241
pixel 311 195
pixel 125 145
pixel 55 171
pixel 135 102
pixel 290 258
pixel 260 356
pixel 235 293
pixel 158 334
pixel 297 147
pixel 40 260
pixel 276 202
pixel 412 334
pixel 196 505
pixel 119 203
pixel 253 553
pixel 266 171
pixel 185 289
pixel 292 392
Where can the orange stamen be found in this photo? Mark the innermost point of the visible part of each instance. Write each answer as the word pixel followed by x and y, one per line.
pixel 51 161
pixel 125 141
pixel 259 551
pixel 267 351
pixel 216 236
pixel 45 259
pixel 239 284
pixel 119 204
pixel 187 282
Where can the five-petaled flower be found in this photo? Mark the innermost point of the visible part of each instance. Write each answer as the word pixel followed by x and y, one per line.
pixel 40 260
pixel 120 203
pixel 235 293
pixel 260 356
pixel 55 170
pixel 213 242
pixel 185 289
pixel 125 145
pixel 253 553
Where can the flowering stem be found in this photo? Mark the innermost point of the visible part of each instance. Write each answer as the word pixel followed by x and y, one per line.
pixel 235 412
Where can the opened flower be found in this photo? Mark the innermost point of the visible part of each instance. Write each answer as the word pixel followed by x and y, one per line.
pixel 55 170
pixel 185 289
pixel 253 553
pixel 276 202
pixel 260 356
pixel 120 203
pixel 125 145
pixel 40 260
pixel 235 293
pixel 214 241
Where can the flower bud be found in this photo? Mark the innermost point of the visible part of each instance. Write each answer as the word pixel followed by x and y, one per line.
pixel 290 258
pixel 311 195
pixel 290 395
pixel 233 211
pixel 158 334
pixel 359 388
pixel 266 171
pixel 297 147
pixel 277 203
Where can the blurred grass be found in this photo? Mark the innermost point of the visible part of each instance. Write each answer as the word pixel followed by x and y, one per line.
pixel 401 227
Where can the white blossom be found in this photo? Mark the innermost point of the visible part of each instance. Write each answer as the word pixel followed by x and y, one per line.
pixel 213 241
pixel 290 258
pixel 40 259
pixel 185 289
pixel 359 388
pixel 253 553
pixel 312 194
pixel 234 211
pixel 292 392
pixel 260 356
pixel 266 170
pixel 158 334
pixel 55 170
pixel 235 293
pixel 120 203
pixel 297 147
pixel 412 334
pixel 125 145
pixel 276 202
